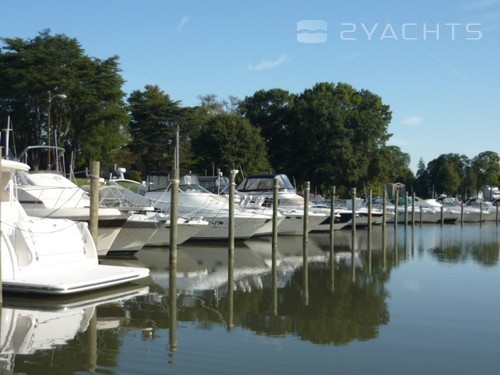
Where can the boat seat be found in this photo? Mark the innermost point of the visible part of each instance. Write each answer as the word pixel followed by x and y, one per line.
pixel 38 242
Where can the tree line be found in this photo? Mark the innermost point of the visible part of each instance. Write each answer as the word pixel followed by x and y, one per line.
pixel 329 134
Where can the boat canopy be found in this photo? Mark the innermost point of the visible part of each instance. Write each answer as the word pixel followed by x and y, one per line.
pixel 265 182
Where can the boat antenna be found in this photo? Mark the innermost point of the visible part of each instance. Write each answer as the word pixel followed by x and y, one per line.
pixel 242 174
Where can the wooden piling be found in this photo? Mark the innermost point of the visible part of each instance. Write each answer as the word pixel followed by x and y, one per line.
pixel 396 210
pixel 369 212
pixel 95 172
pixel 332 238
pixel 230 253
pixel 174 215
pixel 413 209
pixel 307 191
pixel 406 209
pixel 353 218
pixel 274 248
pixel 384 210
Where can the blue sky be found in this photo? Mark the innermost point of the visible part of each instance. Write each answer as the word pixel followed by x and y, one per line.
pixel 436 64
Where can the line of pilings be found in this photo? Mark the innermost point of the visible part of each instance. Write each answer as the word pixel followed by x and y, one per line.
pixel 94 185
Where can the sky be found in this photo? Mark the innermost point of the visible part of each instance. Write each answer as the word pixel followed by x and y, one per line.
pixel 435 63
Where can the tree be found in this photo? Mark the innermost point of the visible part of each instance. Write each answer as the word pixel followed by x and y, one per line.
pixel 447 173
pixel 486 167
pixel 423 183
pixel 336 133
pixel 153 127
pixel 89 122
pixel 271 112
pixel 390 165
pixel 228 141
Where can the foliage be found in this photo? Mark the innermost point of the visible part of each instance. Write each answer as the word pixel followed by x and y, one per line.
pixel 323 135
pixel 330 134
pixel 153 127
pixel 271 112
pixel 229 142
pixel 89 122
pixel 486 167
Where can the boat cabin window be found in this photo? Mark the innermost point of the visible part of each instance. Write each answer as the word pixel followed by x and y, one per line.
pixel 158 182
pixel 265 183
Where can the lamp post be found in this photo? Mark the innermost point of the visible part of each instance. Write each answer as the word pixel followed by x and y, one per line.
pixel 60 96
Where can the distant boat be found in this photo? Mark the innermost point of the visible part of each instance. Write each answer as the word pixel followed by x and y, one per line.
pixel 196 201
pixel 51 256
pixel 257 191
pixel 48 193
pixel 117 195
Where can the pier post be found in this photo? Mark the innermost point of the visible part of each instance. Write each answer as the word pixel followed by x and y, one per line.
pixel 369 211
pixel 307 190
pixel 406 209
pixel 369 232
pixel 95 172
pixel 396 209
pixel 230 253
pixel 353 218
pixel 172 274
pixel 462 210
pixel 332 239
pixel 274 248
pixel 384 210
pixel 413 209
pixel 481 212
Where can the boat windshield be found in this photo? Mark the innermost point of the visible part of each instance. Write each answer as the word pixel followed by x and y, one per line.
pixel 192 188
pixel 265 183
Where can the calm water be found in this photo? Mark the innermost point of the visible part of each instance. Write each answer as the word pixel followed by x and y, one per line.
pixel 425 300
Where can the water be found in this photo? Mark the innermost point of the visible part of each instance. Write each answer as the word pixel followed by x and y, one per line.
pixel 425 300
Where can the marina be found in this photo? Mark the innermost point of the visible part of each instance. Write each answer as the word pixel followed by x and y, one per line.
pixel 419 299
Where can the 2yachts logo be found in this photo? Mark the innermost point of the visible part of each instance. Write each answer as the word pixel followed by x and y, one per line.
pixel 312 31
pixel 315 31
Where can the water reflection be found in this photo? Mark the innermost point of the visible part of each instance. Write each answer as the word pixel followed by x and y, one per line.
pixel 348 300
pixel 33 326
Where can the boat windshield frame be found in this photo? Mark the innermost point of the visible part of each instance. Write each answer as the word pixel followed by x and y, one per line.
pixel 256 183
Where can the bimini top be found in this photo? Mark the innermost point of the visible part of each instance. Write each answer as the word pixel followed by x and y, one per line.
pixel 265 182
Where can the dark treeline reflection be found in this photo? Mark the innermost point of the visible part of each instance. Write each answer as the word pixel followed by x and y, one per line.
pixel 354 310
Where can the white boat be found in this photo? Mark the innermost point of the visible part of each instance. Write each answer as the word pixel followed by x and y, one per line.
pixel 117 195
pixel 196 201
pixel 48 193
pixel 470 213
pixel 46 255
pixel 486 209
pixel 257 191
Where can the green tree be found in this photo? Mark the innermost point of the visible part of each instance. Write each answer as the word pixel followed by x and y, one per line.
pixel 271 112
pixel 89 122
pixel 447 174
pixel 486 167
pixel 153 127
pixel 390 165
pixel 336 133
pixel 423 184
pixel 228 141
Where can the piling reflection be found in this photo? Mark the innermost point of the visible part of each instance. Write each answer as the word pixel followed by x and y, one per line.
pixel 347 299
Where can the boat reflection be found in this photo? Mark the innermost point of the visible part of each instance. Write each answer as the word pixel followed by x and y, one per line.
pixel 31 324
